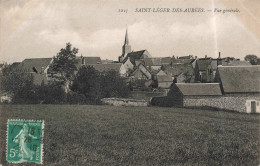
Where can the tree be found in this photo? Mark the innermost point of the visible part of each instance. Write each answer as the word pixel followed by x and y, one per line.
pixel 64 64
pixel 113 85
pixel 87 82
pixel 19 84
pixel 252 59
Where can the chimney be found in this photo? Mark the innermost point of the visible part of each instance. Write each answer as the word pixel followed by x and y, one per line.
pixel 219 60
pixel 206 56
pixel 195 57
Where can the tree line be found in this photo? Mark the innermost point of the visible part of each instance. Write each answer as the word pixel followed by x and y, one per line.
pixel 85 85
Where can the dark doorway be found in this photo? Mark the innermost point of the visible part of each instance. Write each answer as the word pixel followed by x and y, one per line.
pixel 253 107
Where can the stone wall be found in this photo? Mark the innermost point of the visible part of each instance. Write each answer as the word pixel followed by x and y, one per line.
pixel 125 102
pixel 234 103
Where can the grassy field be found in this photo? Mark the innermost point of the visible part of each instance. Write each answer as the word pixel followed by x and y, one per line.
pixel 107 135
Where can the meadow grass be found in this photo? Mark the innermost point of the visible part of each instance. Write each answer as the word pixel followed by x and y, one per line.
pixel 107 135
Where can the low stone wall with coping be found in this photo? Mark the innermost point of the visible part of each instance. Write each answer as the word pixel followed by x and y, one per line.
pixel 125 102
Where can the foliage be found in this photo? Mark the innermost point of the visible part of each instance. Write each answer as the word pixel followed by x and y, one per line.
pixel 252 59
pixel 87 82
pixel 64 63
pixel 15 80
pixel 113 85
pixel 19 84
pixel 52 93
pixel 139 84
pixel 95 85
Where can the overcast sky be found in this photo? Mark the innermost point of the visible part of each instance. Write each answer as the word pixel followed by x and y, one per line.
pixel 40 28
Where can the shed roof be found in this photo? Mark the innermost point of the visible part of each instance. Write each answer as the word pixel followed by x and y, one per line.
pixel 240 79
pixel 199 89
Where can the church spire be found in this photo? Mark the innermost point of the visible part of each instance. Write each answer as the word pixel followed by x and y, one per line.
pixel 126 38
pixel 126 48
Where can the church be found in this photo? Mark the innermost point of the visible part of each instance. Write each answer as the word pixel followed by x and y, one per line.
pixel 133 56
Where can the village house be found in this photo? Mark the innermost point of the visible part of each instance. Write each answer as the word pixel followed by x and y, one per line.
pixel 38 67
pixel 182 72
pixel 141 72
pixel 238 89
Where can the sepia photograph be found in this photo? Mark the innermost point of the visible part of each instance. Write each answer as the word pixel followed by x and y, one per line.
pixel 129 82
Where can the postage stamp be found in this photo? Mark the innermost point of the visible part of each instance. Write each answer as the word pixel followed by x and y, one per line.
pixel 25 141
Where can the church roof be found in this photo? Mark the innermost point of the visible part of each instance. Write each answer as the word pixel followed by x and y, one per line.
pixel 134 55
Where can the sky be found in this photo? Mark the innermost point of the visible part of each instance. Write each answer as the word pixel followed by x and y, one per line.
pixel 40 28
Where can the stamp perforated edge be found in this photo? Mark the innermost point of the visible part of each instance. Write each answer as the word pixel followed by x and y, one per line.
pixel 41 138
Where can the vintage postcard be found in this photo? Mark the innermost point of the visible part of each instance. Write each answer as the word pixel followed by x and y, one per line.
pixel 129 82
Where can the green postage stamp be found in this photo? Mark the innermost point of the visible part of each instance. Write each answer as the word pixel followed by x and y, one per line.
pixel 25 141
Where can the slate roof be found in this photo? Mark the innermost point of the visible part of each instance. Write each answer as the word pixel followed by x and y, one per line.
pixel 199 89
pixel 240 79
pixel 107 67
pixel 133 56
pixel 177 69
pixel 92 60
pixel 164 78
pixel 38 63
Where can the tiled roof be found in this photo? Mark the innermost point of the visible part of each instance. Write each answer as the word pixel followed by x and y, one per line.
pixel 92 60
pixel 240 79
pixel 199 89
pixel 164 78
pixel 14 65
pixel 177 69
pixel 37 63
pixel 107 67
pixel 236 63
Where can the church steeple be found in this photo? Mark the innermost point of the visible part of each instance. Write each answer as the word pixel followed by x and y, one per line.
pixel 126 48
pixel 126 38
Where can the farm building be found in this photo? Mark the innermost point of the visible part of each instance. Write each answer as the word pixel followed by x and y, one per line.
pixel 194 94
